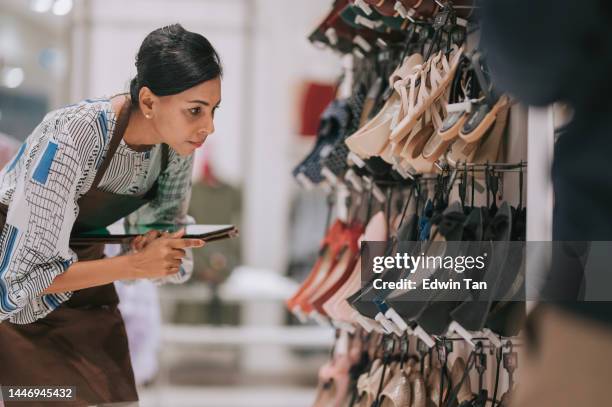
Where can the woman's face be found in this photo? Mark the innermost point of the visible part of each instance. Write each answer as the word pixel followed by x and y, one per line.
pixel 185 120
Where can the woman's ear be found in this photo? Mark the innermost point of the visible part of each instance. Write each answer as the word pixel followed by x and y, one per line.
pixel 147 100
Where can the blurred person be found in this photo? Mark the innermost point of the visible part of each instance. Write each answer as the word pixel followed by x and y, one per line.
pixel 543 52
pixel 86 166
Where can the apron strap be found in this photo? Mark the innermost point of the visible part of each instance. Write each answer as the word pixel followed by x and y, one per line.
pixel 121 125
pixel 164 157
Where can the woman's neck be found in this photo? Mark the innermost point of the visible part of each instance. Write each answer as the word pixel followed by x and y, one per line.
pixel 139 134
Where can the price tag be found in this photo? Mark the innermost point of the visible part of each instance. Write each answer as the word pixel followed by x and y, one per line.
pixel 510 361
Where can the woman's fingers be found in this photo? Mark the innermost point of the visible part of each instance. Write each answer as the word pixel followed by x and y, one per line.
pixel 178 253
pixel 185 243
pixel 136 243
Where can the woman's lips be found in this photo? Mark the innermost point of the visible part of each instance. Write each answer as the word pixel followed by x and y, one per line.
pixel 196 144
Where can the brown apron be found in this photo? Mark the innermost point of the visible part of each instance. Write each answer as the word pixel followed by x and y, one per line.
pixel 83 342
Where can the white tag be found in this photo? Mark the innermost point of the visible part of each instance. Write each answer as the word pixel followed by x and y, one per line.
pixel 361 42
pixel 461 22
pixel 342 345
pixel 358 53
pixel 465 106
pixel 399 7
pixel 319 319
pixel 366 22
pixel 381 43
pixel 422 335
pixel 494 339
pixel 389 326
pixel 378 194
pixel 342 199
pixel 364 6
pixel 354 180
pixel 331 35
pixel 365 323
pixel 356 159
pixel 456 327
pixel 304 181
pixel 397 320
pixel 299 314
pixel 330 176
pixel 328 148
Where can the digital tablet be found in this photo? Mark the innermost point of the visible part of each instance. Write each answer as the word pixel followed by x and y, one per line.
pixel 118 233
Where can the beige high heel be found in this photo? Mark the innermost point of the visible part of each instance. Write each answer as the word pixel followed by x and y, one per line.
pixel 419 392
pixel 397 392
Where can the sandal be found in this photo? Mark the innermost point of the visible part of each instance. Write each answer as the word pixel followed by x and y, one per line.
pixel 328 251
pixel 341 272
pixel 425 89
pixel 449 128
pixel 336 306
pixel 481 118
pixel 372 138
pixel 490 148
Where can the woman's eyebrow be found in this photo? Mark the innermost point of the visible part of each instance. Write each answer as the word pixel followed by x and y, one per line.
pixel 203 102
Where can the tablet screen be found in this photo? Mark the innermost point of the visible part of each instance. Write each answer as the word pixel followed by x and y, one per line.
pixel 122 233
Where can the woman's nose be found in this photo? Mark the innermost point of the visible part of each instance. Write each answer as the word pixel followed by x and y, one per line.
pixel 208 126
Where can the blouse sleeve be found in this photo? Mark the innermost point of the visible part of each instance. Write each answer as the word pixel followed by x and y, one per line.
pixel 170 206
pixel 54 167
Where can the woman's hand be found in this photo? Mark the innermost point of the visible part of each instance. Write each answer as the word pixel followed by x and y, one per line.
pixel 142 241
pixel 161 256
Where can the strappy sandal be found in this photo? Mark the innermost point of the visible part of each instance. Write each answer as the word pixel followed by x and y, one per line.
pixel 431 84
pixel 449 128
pixel 491 145
pixel 481 118
pixel 487 149
pixel 413 161
pixel 372 138
pixel 485 111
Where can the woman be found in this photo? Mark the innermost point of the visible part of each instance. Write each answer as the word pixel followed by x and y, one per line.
pixel 86 166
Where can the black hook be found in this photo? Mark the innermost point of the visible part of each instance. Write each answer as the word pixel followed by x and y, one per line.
pixel 463 187
pixel 388 211
pixel 405 209
pixel 487 184
pixel 473 184
pixel 521 187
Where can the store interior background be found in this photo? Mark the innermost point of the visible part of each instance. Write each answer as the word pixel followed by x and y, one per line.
pixel 225 336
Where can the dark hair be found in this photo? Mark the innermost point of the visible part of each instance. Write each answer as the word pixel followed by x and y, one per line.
pixel 171 60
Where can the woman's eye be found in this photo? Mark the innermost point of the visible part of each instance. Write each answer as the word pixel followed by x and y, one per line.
pixel 195 110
